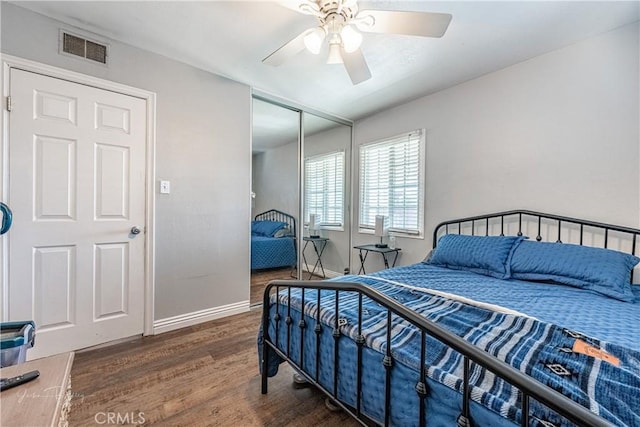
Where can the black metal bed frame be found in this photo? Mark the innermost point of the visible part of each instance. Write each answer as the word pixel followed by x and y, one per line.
pixel 529 388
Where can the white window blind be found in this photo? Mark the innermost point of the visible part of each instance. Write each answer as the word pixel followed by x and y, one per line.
pixel 324 188
pixel 391 182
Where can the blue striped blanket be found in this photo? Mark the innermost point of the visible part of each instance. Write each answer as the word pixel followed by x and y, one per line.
pixel 542 350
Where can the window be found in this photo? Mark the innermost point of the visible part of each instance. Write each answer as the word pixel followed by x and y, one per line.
pixel 324 188
pixel 392 183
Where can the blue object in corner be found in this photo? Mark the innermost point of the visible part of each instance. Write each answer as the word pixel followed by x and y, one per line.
pixel 7 218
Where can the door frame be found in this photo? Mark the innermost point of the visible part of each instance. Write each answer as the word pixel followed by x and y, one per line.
pixel 9 62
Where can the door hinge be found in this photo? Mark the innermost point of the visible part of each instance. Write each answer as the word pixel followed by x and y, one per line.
pixel 9 103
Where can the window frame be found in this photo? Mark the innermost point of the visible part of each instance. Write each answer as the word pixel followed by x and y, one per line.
pixel 323 225
pixel 366 228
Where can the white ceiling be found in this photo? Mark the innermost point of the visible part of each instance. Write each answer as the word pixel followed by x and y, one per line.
pixel 231 38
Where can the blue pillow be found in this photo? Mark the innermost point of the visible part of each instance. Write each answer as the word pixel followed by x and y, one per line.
pixel 488 255
pixel 604 271
pixel 266 228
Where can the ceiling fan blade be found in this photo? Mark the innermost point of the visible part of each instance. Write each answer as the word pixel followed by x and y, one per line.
pixel 288 50
pixel 356 66
pixel 307 7
pixel 424 24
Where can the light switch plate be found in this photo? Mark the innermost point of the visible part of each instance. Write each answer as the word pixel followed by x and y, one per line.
pixel 165 187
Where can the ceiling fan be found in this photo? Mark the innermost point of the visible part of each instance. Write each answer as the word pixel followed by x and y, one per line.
pixel 339 22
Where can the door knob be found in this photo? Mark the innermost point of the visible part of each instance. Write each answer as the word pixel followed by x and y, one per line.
pixel 135 230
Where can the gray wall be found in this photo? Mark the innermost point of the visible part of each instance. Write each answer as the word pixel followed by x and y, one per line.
pixel 202 147
pixel 557 133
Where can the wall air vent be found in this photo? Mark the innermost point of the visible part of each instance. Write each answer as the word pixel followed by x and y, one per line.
pixel 73 44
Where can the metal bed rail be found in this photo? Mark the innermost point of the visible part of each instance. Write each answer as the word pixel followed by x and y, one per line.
pixel 537 216
pixel 530 388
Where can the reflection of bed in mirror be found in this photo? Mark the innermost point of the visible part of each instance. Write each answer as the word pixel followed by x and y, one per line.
pixel 273 240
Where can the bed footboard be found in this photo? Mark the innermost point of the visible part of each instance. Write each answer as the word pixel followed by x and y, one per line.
pixel 528 387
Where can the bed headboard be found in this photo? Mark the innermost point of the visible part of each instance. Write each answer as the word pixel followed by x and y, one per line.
pixel 544 227
pixel 276 215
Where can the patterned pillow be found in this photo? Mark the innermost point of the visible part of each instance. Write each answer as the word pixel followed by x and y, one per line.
pixel 488 255
pixel 604 271
pixel 284 232
pixel 266 228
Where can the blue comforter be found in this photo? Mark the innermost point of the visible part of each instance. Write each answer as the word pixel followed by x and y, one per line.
pixel 538 347
pixel 272 252
pixel 577 309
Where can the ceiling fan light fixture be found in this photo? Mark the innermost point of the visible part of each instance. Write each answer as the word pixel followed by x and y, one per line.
pixel 313 40
pixel 335 57
pixel 351 39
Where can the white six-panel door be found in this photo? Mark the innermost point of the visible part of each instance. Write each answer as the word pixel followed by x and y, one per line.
pixel 77 189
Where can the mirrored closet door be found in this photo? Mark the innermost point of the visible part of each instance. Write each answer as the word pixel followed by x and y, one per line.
pixel 301 168
pixel 275 200
pixel 326 171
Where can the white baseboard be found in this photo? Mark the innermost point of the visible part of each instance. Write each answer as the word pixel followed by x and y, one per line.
pixel 328 273
pixel 189 319
pixel 331 274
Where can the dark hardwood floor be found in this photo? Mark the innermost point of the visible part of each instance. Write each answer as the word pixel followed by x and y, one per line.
pixel 204 375
pixel 260 278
